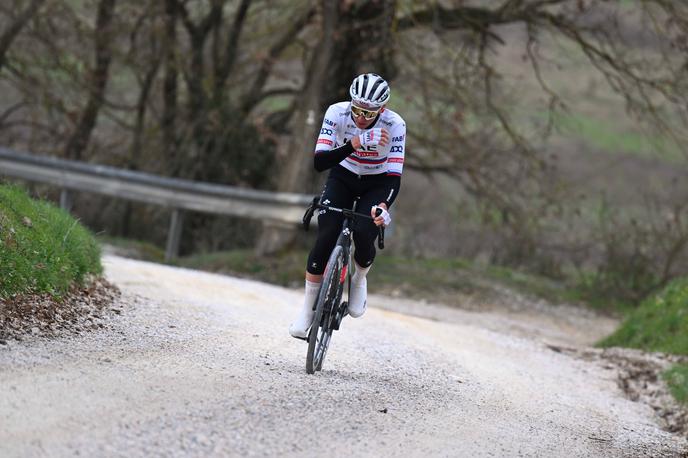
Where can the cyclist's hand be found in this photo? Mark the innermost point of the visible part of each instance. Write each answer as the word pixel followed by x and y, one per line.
pixel 372 137
pixel 384 219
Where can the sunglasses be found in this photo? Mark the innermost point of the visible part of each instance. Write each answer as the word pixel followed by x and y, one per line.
pixel 367 114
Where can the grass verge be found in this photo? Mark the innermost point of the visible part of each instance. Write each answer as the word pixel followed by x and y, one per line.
pixel 43 250
pixel 433 279
pixel 446 280
pixel 285 269
pixel 660 323
pixel 129 248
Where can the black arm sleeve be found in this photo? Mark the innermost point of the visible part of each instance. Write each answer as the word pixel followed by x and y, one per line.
pixel 324 160
pixel 393 183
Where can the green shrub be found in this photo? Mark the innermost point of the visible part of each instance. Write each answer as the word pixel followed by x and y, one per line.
pixel 42 248
pixel 660 323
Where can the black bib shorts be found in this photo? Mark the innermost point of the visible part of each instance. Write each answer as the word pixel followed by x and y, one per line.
pixel 341 189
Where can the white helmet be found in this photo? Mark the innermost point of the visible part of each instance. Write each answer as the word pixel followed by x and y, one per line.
pixel 369 90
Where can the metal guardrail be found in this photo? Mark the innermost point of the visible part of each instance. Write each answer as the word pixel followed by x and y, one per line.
pixel 174 193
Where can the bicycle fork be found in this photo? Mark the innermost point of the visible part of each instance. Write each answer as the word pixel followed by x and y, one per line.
pixel 342 307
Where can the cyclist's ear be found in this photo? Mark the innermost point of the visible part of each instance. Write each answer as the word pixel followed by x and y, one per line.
pixel 382 110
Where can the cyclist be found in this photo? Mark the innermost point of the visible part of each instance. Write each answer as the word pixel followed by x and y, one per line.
pixel 362 143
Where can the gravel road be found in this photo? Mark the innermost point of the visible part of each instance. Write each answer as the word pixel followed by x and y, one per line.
pixel 202 365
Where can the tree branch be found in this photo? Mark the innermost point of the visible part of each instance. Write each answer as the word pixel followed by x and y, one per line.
pixel 224 69
pixel 15 27
pixel 253 96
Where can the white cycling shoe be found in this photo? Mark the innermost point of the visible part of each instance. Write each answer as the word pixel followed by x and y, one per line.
pixel 358 299
pixel 299 328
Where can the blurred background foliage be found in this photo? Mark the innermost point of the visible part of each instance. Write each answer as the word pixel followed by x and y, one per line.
pixel 547 136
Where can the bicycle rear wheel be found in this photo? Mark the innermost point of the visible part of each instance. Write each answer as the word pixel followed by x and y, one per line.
pixel 328 298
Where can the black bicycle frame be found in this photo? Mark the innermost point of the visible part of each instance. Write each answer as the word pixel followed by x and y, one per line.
pixel 329 311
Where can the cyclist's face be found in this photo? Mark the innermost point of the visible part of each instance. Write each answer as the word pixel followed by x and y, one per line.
pixel 364 117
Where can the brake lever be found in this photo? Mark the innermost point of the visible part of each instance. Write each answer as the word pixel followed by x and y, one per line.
pixel 306 221
pixel 380 231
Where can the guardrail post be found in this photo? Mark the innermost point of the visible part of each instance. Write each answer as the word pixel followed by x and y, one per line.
pixel 66 200
pixel 174 235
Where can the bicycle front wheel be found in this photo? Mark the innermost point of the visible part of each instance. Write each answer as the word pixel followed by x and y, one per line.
pixel 321 329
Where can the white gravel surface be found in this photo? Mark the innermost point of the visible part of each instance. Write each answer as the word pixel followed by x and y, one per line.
pixel 202 365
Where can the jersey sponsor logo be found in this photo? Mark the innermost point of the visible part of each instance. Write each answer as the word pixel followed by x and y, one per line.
pixel 386 123
pixel 396 149
pixel 366 153
pixel 325 141
pixel 325 131
pixel 397 160
pixel 330 123
pixel 398 139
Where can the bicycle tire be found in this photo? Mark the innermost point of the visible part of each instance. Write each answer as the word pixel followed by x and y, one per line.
pixel 321 331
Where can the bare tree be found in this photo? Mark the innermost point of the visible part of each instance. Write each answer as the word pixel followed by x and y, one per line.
pixel 493 159
pixel 298 167
pixel 603 32
pixel 359 44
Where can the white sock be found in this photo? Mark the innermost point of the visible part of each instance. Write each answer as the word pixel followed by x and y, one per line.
pixel 312 289
pixel 360 274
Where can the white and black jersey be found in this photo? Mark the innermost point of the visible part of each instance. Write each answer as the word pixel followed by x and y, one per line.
pixel 338 128
pixel 372 175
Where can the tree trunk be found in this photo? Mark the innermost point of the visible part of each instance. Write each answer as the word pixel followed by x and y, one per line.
pixel 99 77
pixel 334 63
pixel 297 166
pixel 169 96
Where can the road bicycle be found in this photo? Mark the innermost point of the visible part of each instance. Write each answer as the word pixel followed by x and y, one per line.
pixel 329 307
